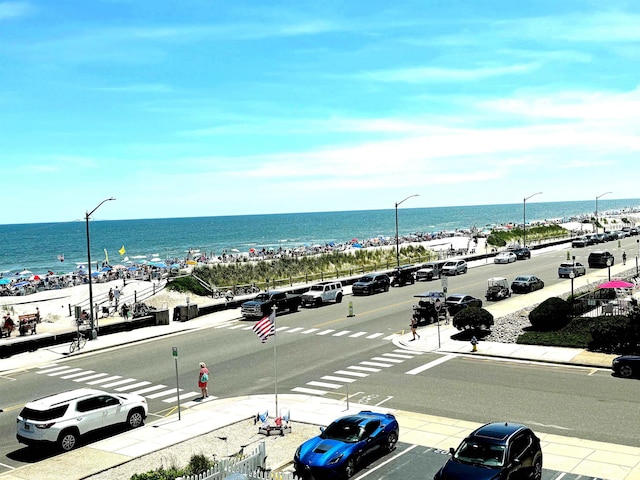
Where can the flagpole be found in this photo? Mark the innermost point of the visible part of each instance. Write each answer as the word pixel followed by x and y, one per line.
pixel 275 357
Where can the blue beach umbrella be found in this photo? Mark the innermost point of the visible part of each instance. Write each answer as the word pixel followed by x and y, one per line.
pixel 4 281
pixel 21 284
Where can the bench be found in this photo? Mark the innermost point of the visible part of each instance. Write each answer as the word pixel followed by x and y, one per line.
pixel 28 322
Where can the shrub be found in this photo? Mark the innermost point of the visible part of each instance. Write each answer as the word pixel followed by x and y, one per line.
pixel 619 334
pixel 159 474
pixel 198 464
pixel 552 314
pixel 473 318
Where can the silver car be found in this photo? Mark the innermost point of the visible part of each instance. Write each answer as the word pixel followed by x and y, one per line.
pixel 565 269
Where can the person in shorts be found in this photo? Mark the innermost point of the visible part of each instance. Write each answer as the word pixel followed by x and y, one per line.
pixel 203 380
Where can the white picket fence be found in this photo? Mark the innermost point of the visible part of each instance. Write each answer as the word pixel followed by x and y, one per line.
pixel 251 467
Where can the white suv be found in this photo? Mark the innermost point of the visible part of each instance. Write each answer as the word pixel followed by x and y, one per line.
pixel 454 267
pixel 64 417
pixel 322 292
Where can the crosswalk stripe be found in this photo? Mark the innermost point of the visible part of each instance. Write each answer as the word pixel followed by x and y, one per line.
pixel 89 377
pixel 193 403
pixel 163 394
pixel 235 327
pixel 374 335
pixel 408 352
pixel 429 365
pixel 72 375
pixel 365 369
pixel 391 337
pixel 149 389
pixel 49 370
pixel 358 334
pixel 310 391
pixel 338 379
pixel 281 328
pixel 385 359
pixel 324 384
pixel 376 364
pixel 182 396
pixel 131 387
pixel 102 380
pixel 398 355
pixel 342 333
pixel 297 329
pixel 326 332
pixel 311 330
pixel 119 382
pixel 354 374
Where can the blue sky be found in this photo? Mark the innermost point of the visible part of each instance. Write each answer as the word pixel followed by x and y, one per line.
pixel 199 108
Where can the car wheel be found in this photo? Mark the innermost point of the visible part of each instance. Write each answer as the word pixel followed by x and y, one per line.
pixel 392 439
pixel 318 302
pixel 536 474
pixel 350 469
pixel 135 418
pixel 626 371
pixel 386 288
pixel 339 298
pixel 68 440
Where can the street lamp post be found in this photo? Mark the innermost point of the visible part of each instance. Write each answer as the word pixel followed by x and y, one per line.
pixel 397 240
pixel 94 333
pixel 601 195
pixel 524 218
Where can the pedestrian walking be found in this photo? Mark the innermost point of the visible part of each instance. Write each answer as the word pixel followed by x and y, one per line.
pixel 116 296
pixel 414 328
pixel 203 380
pixel 624 258
pixel 110 296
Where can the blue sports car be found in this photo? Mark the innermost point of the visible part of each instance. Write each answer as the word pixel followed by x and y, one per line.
pixel 341 447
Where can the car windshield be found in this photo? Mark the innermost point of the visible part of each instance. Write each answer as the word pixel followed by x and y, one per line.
pixel 521 279
pixel 477 453
pixel 318 288
pixel 344 431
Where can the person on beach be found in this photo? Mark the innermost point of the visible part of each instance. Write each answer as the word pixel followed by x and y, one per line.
pixel 203 380
pixel 110 296
pixel 116 296
pixel 624 258
pixel 8 325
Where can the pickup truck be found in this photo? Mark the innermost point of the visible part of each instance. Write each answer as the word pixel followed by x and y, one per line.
pixel 261 305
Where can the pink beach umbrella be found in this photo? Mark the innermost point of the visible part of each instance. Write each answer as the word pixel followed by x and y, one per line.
pixel 616 284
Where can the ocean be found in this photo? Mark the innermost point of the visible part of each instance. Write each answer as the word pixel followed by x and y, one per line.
pixel 37 246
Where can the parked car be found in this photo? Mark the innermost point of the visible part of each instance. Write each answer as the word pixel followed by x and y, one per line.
pixel 460 301
pixel 522 253
pixel 321 293
pixel 526 284
pixel 403 275
pixel 343 447
pixel 429 271
pixel 579 242
pixel 454 267
pixel 371 283
pixel 600 237
pixel 500 450
pixel 600 259
pixel 610 236
pixel 565 269
pixel 505 257
pixel 626 366
pixel 62 419
pixel 262 304
pixel 633 231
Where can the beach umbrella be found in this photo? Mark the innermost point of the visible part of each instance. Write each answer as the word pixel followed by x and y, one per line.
pixel 21 284
pixel 357 245
pixel 235 250
pixel 119 267
pixel 355 240
pixel 156 259
pixel 106 269
pixel 34 277
pixel 4 281
pixel 616 284
pixel 175 265
pixel 95 274
pixel 132 269
pixel 161 265
pixel 25 272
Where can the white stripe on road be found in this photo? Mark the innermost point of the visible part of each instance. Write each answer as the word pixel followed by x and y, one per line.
pixel 342 333
pixel 182 396
pixel 374 335
pixel 391 337
pixel 409 352
pixel 324 384
pixel 397 355
pixel 297 329
pixel 353 374
pixel 383 359
pixel 429 365
pixel 377 364
pixel 73 375
pixel 119 382
pixel 49 370
pixel 102 380
pixel 338 379
pixel 131 387
pixel 311 330
pixel 366 369
pixel 90 377
pixel 163 394
pixel 310 391
pixel 356 335
pixel 326 332
pixel 149 389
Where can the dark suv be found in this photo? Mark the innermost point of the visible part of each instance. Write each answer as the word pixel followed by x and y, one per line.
pixel 403 275
pixel 499 450
pixel 600 259
pixel 372 283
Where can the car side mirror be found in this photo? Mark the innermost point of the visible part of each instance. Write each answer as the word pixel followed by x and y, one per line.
pixel 452 450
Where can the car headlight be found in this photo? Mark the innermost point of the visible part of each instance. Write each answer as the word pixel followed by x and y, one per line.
pixel 335 460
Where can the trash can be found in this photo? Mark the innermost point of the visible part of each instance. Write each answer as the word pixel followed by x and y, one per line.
pixel 192 311
pixel 180 313
pixel 161 316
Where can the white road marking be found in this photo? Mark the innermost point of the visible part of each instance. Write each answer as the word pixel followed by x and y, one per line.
pixel 324 384
pixel 377 364
pixel 119 382
pixel 182 396
pixel 429 365
pixel 354 374
pixel 163 394
pixel 383 359
pixel 311 330
pixel 326 332
pixel 338 379
pixel 358 334
pixel 131 387
pixel 90 377
pixel 102 380
pixel 374 335
pixel 310 391
pixel 365 369
pixel 149 389
pixel 342 333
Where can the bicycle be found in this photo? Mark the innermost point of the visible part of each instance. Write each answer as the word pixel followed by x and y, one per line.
pixel 77 343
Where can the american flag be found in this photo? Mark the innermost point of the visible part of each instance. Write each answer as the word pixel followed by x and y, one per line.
pixel 266 327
